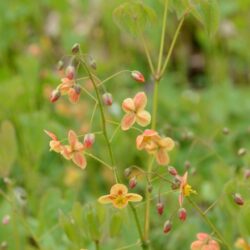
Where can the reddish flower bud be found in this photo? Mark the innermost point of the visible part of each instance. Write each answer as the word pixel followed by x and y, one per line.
pixel 127 172
pixel 55 95
pixel 172 171
pixel 6 220
pixel 167 226
pixel 74 93
pixel 182 213
pixel 133 182
pixel 160 208
pixel 138 76
pixel 70 72
pixel 89 140
pixel 107 99
pixel 75 48
pixel 238 199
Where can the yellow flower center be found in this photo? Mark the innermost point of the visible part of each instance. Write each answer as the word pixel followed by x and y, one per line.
pixel 120 200
pixel 187 190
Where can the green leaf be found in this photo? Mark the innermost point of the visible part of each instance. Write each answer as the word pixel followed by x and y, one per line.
pixel 133 17
pixel 115 225
pixel 180 7
pixel 8 147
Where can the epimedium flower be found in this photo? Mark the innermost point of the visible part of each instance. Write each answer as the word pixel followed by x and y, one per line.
pixel 74 151
pixel 185 188
pixel 153 143
pixel 55 144
pixel 137 76
pixel 204 242
pixel 135 111
pixel 119 196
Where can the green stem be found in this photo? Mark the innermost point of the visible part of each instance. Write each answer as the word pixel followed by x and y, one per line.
pixel 104 127
pixel 112 76
pixel 155 104
pixel 97 245
pixel 209 223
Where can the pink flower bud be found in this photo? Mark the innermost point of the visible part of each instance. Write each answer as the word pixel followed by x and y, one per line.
pixel 55 95
pixel 172 171
pixel 107 99
pixel 182 213
pixel 238 199
pixel 70 72
pixel 160 208
pixel 6 220
pixel 167 226
pixel 132 182
pixel 89 140
pixel 138 76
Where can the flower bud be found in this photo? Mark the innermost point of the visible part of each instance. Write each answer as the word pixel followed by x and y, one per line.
pixel 160 207
pixel 238 199
pixel 247 173
pixel 127 172
pixel 225 131
pixel 182 214
pixel 74 93
pixel 176 184
pixel 70 72
pixel 133 182
pixel 89 140
pixel 107 99
pixel 138 76
pixel 167 226
pixel 4 245
pixel 55 95
pixel 75 48
pixel 242 152
pixel 6 220
pixel 172 171
pixel 60 65
pixel 92 62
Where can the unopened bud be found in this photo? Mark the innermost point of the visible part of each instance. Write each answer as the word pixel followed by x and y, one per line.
pixel 172 171
pixel 75 48
pixel 107 99
pixel 74 93
pixel 4 245
pixel 127 172
pixel 167 226
pixel 176 184
pixel 247 173
pixel 92 62
pixel 60 65
pixel 133 182
pixel 160 208
pixel 182 214
pixel 55 95
pixel 225 131
pixel 89 140
pixel 70 72
pixel 6 220
pixel 138 76
pixel 77 88
pixel 242 152
pixel 238 199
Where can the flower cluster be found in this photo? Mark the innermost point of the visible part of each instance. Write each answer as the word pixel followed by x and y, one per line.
pixel 204 242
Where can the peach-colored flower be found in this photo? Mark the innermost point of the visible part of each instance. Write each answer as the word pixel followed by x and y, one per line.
pixel 151 142
pixel 74 151
pixel 204 242
pixel 55 144
pixel 242 244
pixel 185 188
pixel 119 196
pixel 135 112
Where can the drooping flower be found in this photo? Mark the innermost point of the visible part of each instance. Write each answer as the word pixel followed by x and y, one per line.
pixel 204 242
pixel 119 196
pixel 74 151
pixel 135 112
pixel 151 142
pixel 55 144
pixel 185 188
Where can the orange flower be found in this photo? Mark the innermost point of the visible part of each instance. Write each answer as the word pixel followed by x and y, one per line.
pixel 119 196
pixel 185 188
pixel 54 144
pixel 74 151
pixel 135 112
pixel 204 242
pixel 151 142
pixel 242 244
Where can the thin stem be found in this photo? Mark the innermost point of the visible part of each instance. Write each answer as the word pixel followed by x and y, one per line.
pixel 97 244
pixel 209 223
pixel 87 92
pixel 172 45
pixel 103 120
pixel 144 244
pixel 98 159
pixel 163 32
pixel 155 104
pixel 112 76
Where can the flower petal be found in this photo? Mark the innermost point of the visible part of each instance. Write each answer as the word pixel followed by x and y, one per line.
pixel 166 143
pixel 128 121
pixel 128 105
pixel 51 135
pixel 105 199
pixel 140 101
pixel 66 152
pixel 118 189
pixel 162 157
pixel 150 132
pixel 72 137
pixel 143 118
pixel 139 142
pixel 120 204
pixel 73 95
pixel 180 199
pixel 133 197
pixel 196 245
pixel 202 236
pixel 55 146
pixel 79 160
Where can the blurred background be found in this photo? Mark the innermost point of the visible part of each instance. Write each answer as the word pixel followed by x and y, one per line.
pixel 204 105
